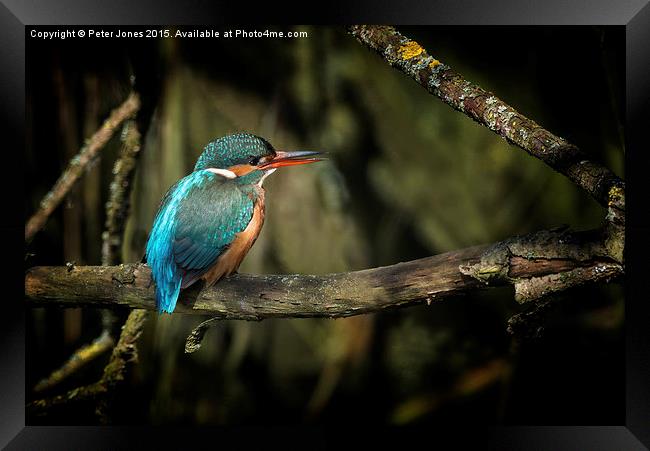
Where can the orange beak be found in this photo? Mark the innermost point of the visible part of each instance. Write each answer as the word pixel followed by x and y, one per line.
pixel 291 159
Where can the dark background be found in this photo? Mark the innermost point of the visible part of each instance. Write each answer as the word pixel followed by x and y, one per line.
pixel 408 177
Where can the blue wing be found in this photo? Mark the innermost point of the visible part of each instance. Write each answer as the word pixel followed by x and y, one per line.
pixel 197 220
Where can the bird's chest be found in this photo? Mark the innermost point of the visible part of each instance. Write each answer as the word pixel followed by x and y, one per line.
pixel 231 258
pixel 245 239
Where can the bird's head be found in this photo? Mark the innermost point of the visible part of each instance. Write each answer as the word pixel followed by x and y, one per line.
pixel 248 157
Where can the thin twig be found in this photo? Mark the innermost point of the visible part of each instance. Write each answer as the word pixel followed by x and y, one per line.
pixel 195 338
pixel 79 359
pixel 79 163
pixel 124 352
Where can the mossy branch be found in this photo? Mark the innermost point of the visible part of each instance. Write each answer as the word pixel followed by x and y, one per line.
pixel 123 353
pixel 118 205
pixel 79 163
pixel 484 107
pixel 77 360
pixel 117 212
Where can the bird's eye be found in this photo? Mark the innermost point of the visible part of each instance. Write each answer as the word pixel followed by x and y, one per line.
pixel 254 161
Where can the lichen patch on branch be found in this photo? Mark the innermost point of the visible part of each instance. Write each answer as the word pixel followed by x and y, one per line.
pixel 488 110
pixel 410 50
pixel 616 197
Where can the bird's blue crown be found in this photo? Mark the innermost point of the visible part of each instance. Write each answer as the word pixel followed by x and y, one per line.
pixel 231 150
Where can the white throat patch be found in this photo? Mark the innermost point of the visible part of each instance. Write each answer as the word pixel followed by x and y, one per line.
pixel 266 174
pixel 223 172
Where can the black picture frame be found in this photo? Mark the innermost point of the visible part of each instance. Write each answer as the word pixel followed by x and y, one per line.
pixel 15 15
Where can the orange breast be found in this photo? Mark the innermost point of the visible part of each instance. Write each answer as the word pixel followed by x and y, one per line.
pixel 229 261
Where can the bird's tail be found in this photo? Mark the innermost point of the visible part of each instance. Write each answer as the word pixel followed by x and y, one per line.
pixel 166 276
pixel 167 294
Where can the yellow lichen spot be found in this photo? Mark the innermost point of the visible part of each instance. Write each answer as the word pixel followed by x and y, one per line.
pixel 434 63
pixel 616 193
pixel 410 49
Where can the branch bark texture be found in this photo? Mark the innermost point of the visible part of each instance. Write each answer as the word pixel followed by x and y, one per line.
pixel 118 206
pixel 487 109
pixel 536 264
pixel 79 163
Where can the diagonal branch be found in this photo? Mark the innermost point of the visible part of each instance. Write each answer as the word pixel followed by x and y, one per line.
pixel 484 107
pixel 123 353
pixel 536 265
pixel 103 343
pixel 79 163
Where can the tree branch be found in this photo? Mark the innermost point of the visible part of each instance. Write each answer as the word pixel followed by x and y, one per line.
pixel 79 163
pixel 565 258
pixel 117 212
pixel 490 111
pixel 118 205
pixel 123 353
pixel 77 360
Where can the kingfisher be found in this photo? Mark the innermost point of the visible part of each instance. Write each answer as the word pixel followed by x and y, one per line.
pixel 207 222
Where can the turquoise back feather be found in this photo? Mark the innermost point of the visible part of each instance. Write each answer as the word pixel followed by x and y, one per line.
pixel 197 220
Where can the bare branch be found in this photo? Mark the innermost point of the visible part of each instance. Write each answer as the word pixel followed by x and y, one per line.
pixel 490 111
pixel 77 360
pixel 123 353
pixel 80 394
pixel 515 261
pixel 79 163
